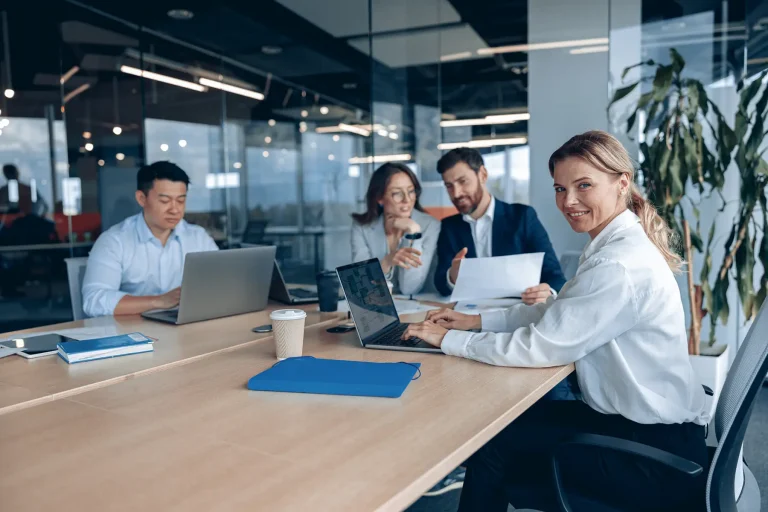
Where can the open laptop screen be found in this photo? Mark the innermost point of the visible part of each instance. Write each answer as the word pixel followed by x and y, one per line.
pixel 369 300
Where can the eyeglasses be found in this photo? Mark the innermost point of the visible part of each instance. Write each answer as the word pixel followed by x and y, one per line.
pixel 399 196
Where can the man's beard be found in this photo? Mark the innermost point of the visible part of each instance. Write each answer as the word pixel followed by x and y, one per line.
pixel 474 199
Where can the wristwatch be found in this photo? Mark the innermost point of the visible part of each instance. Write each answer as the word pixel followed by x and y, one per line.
pixel 412 237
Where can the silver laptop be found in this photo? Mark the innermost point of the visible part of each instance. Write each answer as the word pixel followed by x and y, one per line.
pixel 286 294
pixel 221 283
pixel 373 310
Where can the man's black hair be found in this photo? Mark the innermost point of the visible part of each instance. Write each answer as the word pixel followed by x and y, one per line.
pixel 11 172
pixel 147 175
pixel 469 156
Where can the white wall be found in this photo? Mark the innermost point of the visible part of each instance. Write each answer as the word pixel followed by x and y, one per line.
pixel 567 95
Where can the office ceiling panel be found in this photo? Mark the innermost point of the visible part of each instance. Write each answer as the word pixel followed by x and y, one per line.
pixel 421 47
pixel 387 15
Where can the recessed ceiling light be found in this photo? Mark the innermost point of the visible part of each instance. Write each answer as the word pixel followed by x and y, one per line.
pixel 304 113
pixel 181 14
pixel 271 122
pixel 324 110
pixel 269 49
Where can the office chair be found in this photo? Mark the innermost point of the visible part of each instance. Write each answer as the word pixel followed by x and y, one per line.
pixel 734 409
pixel 75 276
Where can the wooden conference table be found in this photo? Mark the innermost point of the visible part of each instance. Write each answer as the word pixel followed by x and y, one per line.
pixel 186 434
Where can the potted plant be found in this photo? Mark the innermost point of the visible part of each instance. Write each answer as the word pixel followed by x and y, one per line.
pixel 677 157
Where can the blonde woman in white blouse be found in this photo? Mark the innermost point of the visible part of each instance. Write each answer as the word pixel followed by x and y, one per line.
pixel 621 321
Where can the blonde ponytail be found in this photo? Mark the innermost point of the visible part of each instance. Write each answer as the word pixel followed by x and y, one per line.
pixel 655 227
pixel 604 152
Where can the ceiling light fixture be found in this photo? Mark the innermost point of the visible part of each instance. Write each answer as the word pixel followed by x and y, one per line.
pixel 354 129
pixel 483 143
pixel 455 56
pixel 163 147
pixel 120 156
pixel 86 135
pixel 551 45
pixel 271 122
pixel 89 146
pixel 267 139
pixel 383 132
pixel 304 113
pixel 162 78
pixel 9 93
pixel 117 130
pixel 181 14
pixel 324 110
pixel 101 163
pixel 393 136
pixel 336 138
pixel 589 49
pixel 380 159
pixel 496 119
pixel 69 74
pixel 231 88
pixel 183 143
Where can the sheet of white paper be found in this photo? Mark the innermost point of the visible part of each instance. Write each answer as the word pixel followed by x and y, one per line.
pixel 426 297
pixel 5 351
pixel 484 306
pixel 405 307
pixel 498 277
pixel 81 333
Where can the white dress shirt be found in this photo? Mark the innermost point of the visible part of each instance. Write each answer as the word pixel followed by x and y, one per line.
pixel 482 230
pixel 128 259
pixel 620 319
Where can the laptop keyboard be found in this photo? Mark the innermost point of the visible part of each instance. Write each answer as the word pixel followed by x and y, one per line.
pixel 393 338
pixel 301 293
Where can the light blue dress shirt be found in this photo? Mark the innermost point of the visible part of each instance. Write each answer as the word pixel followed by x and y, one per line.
pixel 128 259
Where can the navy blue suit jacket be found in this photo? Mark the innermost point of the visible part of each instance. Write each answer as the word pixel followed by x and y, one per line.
pixel 516 230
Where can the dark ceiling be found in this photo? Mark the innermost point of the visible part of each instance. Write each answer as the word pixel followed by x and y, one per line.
pixel 48 39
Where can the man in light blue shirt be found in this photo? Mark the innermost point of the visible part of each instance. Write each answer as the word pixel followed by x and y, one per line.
pixel 136 266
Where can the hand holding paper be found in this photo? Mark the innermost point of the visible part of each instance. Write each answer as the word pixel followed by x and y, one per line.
pixel 497 277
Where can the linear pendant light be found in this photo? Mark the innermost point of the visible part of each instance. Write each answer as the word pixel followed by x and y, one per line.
pixel 162 78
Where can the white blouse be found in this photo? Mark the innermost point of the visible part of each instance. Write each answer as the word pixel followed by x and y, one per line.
pixel 620 319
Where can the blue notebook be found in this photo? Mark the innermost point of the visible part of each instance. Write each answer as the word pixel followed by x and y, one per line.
pixel 102 348
pixel 335 377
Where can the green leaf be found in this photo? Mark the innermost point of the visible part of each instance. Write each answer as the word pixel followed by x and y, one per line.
pixel 648 62
pixel 678 63
pixel 755 138
pixel 696 241
pixel 664 161
pixel 631 121
pixel 744 261
pixel 623 92
pixel 749 93
pixel 662 82
pixel 762 167
pixel 645 100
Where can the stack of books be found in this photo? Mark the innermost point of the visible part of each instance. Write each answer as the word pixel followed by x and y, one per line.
pixel 102 348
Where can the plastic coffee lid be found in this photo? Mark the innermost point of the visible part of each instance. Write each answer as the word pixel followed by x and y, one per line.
pixel 288 314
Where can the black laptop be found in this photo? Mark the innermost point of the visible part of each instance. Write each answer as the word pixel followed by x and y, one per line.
pixel 281 292
pixel 373 310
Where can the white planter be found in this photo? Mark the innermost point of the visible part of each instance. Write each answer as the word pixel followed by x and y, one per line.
pixel 711 367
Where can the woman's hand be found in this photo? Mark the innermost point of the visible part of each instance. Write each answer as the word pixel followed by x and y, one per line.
pixel 453 320
pixel 427 331
pixel 403 224
pixel 405 257
pixel 536 294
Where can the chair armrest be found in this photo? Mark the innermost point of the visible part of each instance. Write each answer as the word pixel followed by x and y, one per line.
pixel 616 444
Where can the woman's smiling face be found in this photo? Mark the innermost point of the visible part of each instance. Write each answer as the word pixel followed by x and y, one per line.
pixel 589 198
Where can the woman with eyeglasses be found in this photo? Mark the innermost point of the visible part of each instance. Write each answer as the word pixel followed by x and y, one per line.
pixel 395 229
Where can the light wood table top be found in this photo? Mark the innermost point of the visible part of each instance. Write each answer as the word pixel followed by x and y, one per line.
pixel 194 438
pixel 28 382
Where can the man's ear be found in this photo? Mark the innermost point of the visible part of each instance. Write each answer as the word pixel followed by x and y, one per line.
pixel 483 174
pixel 141 198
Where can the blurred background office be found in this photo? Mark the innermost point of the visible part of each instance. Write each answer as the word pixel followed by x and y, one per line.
pixel 279 111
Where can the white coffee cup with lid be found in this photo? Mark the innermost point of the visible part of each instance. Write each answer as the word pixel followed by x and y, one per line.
pixel 288 329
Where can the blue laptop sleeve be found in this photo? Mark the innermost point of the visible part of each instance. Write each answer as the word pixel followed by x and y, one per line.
pixel 335 377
